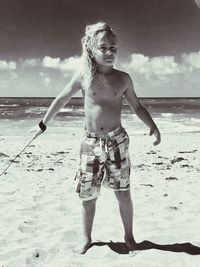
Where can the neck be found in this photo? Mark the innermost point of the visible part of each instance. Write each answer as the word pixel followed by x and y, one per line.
pixel 104 70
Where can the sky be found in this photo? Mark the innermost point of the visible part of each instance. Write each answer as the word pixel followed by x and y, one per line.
pixel 159 44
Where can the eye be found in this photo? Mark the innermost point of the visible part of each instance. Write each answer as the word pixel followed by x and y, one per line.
pixel 102 48
pixel 113 48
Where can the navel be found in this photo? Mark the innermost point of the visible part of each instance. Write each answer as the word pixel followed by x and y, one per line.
pixel 94 93
pixel 101 128
pixel 115 93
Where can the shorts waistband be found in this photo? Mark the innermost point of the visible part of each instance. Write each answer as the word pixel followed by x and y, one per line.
pixel 105 136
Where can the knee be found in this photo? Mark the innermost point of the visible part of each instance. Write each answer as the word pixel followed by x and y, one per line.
pixel 123 196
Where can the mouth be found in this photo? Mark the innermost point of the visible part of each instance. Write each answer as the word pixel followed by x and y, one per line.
pixel 109 58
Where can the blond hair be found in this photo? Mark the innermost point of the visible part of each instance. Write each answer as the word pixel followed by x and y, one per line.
pixel 88 41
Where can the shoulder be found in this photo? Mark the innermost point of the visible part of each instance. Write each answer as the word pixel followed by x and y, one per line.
pixel 124 76
pixel 76 80
pixel 77 77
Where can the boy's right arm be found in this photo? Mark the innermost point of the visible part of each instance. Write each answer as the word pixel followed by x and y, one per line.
pixel 63 98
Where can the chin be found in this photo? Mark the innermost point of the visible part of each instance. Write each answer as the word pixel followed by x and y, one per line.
pixel 109 63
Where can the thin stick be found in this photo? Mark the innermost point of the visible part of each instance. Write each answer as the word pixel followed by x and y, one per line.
pixel 21 151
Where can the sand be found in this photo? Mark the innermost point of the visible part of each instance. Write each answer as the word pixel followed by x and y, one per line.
pixel 41 214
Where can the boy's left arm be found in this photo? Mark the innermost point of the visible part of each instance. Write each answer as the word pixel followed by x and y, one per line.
pixel 140 110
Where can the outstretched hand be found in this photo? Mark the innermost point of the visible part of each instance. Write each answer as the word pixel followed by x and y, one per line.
pixel 155 131
pixel 38 129
pixel 35 131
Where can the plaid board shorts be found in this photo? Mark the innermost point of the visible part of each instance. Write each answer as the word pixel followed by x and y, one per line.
pixel 104 159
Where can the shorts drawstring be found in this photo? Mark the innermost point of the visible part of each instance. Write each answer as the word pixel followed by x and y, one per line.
pixel 103 144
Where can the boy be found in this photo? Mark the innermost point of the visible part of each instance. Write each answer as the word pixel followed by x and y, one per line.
pixel 104 149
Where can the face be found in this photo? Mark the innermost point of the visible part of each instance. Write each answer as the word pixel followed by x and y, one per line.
pixel 105 49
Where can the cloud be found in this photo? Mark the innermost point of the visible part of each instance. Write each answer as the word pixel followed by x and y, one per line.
pixel 68 64
pixel 71 64
pixel 32 62
pixel 164 75
pixel 7 65
pixel 163 65
pixel 51 62
pixel 192 60
pixel 153 66
pixel 157 76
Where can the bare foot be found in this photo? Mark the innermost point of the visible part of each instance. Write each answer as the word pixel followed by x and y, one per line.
pixel 82 248
pixel 132 246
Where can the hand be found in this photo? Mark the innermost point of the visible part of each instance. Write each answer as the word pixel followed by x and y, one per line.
pixel 155 131
pixel 36 131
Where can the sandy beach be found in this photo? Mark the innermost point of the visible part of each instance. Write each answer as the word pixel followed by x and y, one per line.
pixel 41 214
pixel 77 65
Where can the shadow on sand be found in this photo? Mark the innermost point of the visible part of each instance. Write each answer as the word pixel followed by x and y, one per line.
pixel 120 247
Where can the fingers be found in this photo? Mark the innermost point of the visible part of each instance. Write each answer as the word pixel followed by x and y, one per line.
pixel 156 142
pixel 38 129
pixel 38 133
pixel 157 135
pixel 151 131
pixel 158 138
pixel 34 129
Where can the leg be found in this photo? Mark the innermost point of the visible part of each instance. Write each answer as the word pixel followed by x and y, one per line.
pixel 88 212
pixel 126 212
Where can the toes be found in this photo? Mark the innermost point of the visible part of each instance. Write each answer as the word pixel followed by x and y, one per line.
pixel 79 251
pixel 133 253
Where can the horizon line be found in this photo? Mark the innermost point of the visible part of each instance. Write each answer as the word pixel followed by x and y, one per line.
pixel 142 97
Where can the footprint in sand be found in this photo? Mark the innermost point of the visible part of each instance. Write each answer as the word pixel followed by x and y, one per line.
pixel 30 222
pixel 40 170
pixel 177 160
pixel 29 154
pixel 3 155
pixel 143 166
pixel 11 254
pixel 151 152
pixel 31 228
pixel 171 178
pixel 62 152
pixel 27 229
pixel 158 163
pixel 186 165
pixel 31 146
pixel 51 169
pixel 172 208
pixel 38 197
pixel 22 240
pixel 150 185
pixel 184 152
pixel 8 193
pixel 37 255
pixel 70 236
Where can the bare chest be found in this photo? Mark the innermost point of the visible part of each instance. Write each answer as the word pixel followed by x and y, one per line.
pixel 107 91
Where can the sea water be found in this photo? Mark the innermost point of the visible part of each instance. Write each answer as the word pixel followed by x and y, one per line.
pixel 172 115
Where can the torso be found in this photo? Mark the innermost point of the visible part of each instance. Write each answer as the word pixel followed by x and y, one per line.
pixel 103 102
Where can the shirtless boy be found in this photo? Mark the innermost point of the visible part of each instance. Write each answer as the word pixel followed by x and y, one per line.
pixel 104 149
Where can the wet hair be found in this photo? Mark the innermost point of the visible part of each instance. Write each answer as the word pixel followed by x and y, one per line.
pixel 89 41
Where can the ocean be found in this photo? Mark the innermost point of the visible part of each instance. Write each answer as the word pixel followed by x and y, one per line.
pixel 171 115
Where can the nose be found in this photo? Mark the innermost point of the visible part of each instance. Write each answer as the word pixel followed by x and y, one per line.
pixel 109 52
